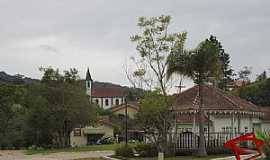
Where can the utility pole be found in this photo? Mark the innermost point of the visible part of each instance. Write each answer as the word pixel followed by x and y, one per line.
pixel 126 130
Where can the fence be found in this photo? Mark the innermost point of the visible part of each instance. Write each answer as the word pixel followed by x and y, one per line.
pixel 188 142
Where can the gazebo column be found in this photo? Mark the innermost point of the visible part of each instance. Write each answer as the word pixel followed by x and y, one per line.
pixel 232 124
pixel 238 123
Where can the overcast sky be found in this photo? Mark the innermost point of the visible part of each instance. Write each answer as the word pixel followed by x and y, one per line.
pixel 95 33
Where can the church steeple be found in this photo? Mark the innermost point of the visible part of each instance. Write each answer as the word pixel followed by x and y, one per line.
pixel 89 82
pixel 88 75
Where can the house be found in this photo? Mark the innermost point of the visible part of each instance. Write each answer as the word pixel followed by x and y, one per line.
pixel 132 108
pixel 222 112
pixel 105 97
pixel 91 134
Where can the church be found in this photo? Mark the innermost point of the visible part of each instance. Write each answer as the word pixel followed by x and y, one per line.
pixel 104 96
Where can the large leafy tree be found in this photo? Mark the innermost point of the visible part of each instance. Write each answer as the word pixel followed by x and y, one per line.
pixel 151 115
pixel 201 65
pixel 57 105
pixel 257 92
pixel 154 44
pixel 227 71
pixel 11 115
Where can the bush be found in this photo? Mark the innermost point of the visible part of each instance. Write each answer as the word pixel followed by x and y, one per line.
pixel 124 151
pixel 146 150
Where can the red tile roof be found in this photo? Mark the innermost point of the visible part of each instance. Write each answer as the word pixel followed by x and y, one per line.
pixel 108 92
pixel 214 99
pixel 133 105
pixel 189 118
pixel 266 111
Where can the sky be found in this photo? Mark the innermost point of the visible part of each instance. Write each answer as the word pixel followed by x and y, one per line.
pixel 96 33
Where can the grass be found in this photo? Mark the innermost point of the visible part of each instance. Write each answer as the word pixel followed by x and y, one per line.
pixel 108 147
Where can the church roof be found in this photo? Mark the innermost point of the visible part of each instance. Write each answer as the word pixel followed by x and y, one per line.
pixel 214 100
pixel 108 91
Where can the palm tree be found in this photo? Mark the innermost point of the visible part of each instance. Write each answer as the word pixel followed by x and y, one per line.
pixel 199 64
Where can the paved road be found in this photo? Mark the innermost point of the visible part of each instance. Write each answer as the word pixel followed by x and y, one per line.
pixel 19 155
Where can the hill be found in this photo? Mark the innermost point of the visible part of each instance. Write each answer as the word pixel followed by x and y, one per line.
pixel 16 79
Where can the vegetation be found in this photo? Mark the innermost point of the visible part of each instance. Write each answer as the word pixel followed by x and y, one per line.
pixel 107 147
pixel 226 69
pixel 11 116
pixel 154 118
pixel 43 114
pixel 200 64
pixel 257 92
pixel 146 150
pixel 124 150
pixel 154 44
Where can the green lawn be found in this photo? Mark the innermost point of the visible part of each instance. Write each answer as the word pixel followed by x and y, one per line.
pixel 108 147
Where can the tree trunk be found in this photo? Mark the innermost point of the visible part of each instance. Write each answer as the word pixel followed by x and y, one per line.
pixel 202 149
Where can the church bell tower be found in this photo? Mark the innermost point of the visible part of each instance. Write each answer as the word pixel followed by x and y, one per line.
pixel 89 83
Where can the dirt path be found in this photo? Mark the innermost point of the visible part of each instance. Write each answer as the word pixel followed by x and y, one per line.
pixel 19 155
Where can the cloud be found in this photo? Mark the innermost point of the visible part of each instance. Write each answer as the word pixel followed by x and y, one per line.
pixel 49 48
pixel 96 33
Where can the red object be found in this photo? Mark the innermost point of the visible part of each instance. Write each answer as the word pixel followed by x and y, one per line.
pixel 232 144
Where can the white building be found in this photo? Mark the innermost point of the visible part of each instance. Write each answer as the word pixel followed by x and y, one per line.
pixel 223 113
pixel 105 97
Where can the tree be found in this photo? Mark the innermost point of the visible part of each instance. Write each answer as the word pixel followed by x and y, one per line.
pixel 227 71
pixel 151 117
pixel 59 105
pixel 200 64
pixel 244 74
pixel 11 114
pixel 262 76
pixel 154 45
pixel 257 92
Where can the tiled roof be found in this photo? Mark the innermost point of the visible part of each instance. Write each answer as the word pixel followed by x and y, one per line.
pixel 108 92
pixel 189 118
pixel 214 99
pixel 133 105
pixel 266 111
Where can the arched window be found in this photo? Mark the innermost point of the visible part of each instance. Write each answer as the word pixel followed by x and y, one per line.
pixel 117 102
pixel 96 101
pixel 88 84
pixel 106 102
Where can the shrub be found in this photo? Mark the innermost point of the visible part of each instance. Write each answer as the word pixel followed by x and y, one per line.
pixel 124 151
pixel 146 150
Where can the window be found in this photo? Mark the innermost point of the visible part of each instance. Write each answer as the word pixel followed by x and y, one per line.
pixel 246 129
pixel 88 84
pixel 223 129
pixel 117 101
pixel 96 101
pixel 106 102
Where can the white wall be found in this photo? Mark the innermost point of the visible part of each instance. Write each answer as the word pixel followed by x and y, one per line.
pixel 78 140
pixel 112 101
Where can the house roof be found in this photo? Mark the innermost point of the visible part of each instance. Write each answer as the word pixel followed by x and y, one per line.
pixel 214 99
pixel 134 105
pixel 266 111
pixel 108 92
pixel 189 119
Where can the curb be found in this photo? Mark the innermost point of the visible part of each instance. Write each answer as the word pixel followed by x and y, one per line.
pixel 233 157
pixel 109 158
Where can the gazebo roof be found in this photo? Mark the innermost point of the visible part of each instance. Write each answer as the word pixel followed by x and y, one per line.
pixel 214 100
